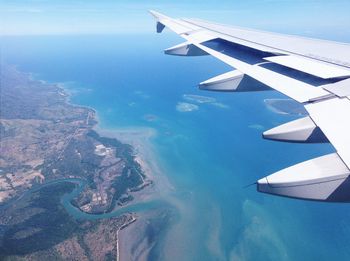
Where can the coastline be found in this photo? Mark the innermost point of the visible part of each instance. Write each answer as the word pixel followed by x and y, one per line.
pixel 154 182
pixel 138 137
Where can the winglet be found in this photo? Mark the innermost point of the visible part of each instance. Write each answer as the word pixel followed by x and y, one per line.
pixel 159 17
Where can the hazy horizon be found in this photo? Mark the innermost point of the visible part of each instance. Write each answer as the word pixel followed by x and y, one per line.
pixel 33 17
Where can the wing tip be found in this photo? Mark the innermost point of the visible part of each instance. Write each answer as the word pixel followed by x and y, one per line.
pixel 153 13
pixel 157 15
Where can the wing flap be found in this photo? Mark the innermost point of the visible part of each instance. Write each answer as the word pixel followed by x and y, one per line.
pixel 341 89
pixel 332 116
pixel 316 68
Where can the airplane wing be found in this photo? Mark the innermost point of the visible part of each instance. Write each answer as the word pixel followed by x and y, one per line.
pixel 315 73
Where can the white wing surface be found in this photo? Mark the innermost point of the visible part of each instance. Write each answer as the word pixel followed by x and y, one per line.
pixel 315 73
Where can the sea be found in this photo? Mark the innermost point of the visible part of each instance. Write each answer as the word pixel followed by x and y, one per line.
pixel 208 145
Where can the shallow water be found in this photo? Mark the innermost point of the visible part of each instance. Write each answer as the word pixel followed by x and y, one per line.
pixel 208 154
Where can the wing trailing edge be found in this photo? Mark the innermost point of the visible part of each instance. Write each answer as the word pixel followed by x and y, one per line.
pixel 316 68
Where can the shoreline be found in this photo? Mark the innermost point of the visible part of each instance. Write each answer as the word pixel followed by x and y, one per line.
pixel 134 219
pixel 137 137
pixel 140 139
pixel 152 185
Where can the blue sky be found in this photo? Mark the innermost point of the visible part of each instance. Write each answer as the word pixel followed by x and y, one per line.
pixel 308 17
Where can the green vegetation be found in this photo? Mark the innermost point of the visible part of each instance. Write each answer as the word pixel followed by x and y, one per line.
pixel 85 164
pixel 50 226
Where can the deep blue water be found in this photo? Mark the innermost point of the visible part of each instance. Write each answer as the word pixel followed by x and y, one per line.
pixel 208 154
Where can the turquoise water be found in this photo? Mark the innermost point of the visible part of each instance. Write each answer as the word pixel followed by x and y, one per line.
pixel 208 154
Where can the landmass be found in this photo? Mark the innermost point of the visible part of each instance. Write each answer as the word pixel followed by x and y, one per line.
pixel 37 227
pixel 199 99
pixel 186 107
pixel 46 139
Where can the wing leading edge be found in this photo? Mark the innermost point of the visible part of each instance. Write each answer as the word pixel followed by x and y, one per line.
pixel 315 73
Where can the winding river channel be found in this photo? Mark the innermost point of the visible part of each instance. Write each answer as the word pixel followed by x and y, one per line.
pixel 66 201
pixel 78 214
